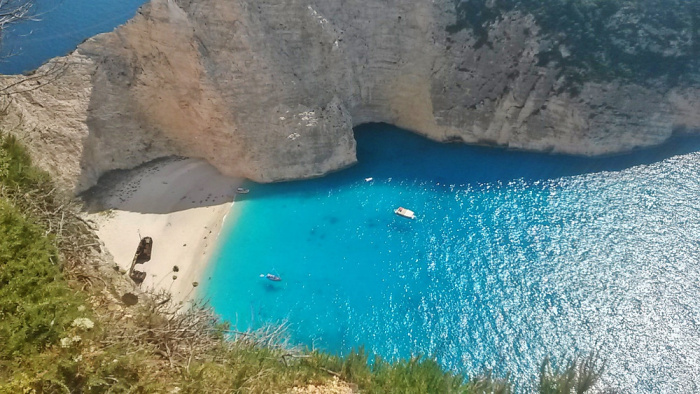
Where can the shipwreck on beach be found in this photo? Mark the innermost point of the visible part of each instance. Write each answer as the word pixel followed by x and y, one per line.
pixel 143 254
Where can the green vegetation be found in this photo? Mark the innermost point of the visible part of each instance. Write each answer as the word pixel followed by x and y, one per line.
pixel 36 305
pixel 579 376
pixel 415 375
pixel 634 40
pixel 63 328
pixel 16 170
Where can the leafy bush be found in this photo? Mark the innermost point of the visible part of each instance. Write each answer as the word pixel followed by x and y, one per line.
pixel 16 169
pixel 36 305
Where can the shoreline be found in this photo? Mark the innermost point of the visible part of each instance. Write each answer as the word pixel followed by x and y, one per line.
pixel 180 203
pixel 205 274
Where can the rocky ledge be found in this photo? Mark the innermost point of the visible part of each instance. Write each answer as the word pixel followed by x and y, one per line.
pixel 271 89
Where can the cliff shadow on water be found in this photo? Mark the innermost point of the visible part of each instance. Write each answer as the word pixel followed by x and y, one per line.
pixel 388 152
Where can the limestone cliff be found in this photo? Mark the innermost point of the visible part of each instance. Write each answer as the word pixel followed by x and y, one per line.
pixel 270 89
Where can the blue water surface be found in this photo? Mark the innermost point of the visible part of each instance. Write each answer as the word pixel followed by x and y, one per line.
pixel 57 27
pixel 513 256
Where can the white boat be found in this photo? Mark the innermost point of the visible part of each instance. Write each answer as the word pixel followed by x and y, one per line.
pixel 407 213
pixel 271 277
pixel 241 190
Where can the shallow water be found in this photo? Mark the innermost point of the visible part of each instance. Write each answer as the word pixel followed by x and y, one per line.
pixel 60 26
pixel 512 256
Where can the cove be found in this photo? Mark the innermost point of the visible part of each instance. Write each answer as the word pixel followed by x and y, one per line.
pixel 513 256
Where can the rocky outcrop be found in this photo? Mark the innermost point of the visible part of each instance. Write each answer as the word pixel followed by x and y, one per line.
pixel 271 89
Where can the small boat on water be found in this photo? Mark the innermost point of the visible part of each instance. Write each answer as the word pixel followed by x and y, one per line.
pixel 241 190
pixel 271 277
pixel 407 213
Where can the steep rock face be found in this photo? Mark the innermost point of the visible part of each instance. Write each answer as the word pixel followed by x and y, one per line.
pixel 270 89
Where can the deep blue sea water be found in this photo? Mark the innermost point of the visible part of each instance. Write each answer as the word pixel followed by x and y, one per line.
pixel 61 26
pixel 513 256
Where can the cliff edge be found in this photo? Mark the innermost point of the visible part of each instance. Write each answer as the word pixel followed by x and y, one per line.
pixel 271 89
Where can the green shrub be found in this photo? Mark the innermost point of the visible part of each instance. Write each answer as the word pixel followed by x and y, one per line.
pixel 16 169
pixel 36 305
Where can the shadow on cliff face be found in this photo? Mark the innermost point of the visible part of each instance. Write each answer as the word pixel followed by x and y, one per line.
pixel 385 151
pixel 161 186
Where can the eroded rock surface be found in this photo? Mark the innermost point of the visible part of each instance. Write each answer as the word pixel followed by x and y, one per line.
pixel 271 89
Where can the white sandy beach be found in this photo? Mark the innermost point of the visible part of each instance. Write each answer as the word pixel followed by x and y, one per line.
pixel 180 203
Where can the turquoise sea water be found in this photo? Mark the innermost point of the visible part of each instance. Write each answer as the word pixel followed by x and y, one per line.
pixel 59 27
pixel 512 256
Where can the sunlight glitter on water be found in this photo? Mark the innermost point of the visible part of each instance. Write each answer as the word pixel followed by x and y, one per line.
pixel 513 256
